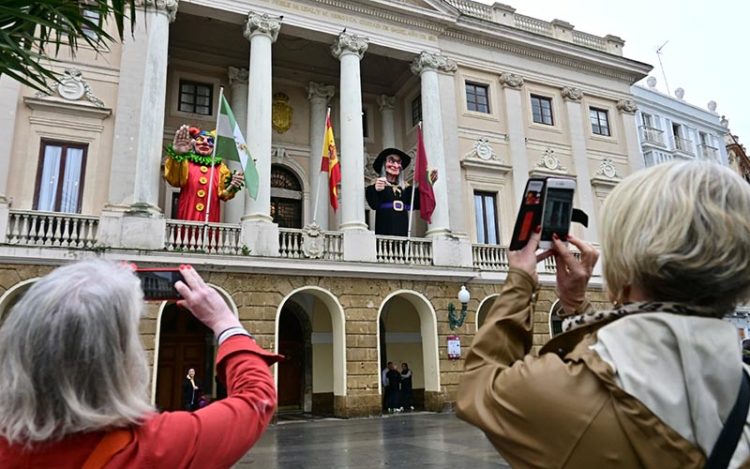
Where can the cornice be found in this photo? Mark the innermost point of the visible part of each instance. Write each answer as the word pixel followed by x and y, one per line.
pixel 67 107
pixel 414 15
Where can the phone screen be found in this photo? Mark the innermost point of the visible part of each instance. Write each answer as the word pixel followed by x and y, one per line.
pixel 159 284
pixel 558 209
pixel 529 214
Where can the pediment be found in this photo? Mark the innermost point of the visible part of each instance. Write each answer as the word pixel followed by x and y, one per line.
pixel 435 6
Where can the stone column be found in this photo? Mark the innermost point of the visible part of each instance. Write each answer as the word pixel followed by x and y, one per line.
pixel 319 96
pixel 577 123
pixel 388 124
pixel 512 85
pixel 427 65
pixel 259 232
pixel 10 91
pixel 359 243
pixel 627 110
pixel 139 132
pixel 234 209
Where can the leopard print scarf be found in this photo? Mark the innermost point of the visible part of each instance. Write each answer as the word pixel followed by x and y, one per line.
pixel 574 322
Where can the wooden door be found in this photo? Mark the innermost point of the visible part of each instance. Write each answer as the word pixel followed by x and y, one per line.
pixel 292 369
pixel 184 343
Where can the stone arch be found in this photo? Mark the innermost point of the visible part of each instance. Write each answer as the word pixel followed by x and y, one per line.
pixel 13 294
pixel 157 333
pixel 336 311
pixel 428 332
pixel 483 310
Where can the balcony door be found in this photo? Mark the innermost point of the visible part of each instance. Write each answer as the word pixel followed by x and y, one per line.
pixel 60 174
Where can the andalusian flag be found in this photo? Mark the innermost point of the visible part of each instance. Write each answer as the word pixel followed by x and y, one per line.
pixel 230 145
pixel 330 164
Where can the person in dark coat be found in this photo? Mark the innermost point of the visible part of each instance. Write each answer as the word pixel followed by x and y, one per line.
pixel 389 196
pixel 394 381
pixel 190 391
pixel 407 400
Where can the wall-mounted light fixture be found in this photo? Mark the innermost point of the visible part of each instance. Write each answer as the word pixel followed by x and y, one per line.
pixel 455 322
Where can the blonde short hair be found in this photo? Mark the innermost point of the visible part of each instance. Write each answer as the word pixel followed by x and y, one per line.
pixel 71 357
pixel 680 232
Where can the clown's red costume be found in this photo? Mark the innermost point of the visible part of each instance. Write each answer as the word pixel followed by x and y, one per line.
pixel 191 172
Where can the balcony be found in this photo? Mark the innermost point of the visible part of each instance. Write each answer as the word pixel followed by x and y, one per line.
pixel 708 152
pixel 684 145
pixel 652 136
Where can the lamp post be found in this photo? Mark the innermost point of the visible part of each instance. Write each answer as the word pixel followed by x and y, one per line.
pixel 463 297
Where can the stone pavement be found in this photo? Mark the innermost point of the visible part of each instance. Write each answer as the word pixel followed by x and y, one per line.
pixel 419 440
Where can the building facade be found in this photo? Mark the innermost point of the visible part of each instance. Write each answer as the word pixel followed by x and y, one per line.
pixel 501 96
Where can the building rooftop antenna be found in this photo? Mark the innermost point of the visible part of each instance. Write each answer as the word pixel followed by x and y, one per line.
pixel 661 65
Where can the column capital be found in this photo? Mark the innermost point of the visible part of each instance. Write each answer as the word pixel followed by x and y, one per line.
pixel 385 102
pixel 167 6
pixel 511 80
pixel 347 43
pixel 627 106
pixel 429 61
pixel 238 76
pixel 262 23
pixel 570 93
pixel 320 91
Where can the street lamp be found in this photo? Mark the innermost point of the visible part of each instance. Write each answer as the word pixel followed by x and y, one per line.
pixel 463 296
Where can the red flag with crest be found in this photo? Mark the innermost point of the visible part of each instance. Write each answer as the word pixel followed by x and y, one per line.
pixel 422 181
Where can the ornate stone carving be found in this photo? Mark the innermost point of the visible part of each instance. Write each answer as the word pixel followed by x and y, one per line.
pixel 550 162
pixel 348 43
pixel 483 150
pixel 281 113
pixel 72 87
pixel 429 61
pixel 169 6
pixel 279 153
pixel 262 23
pixel 607 169
pixel 386 102
pixel 511 80
pixel 320 91
pixel 570 93
pixel 313 241
pixel 627 106
pixel 238 76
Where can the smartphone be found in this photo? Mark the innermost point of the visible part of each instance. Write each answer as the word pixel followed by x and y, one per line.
pixel 158 283
pixel 529 214
pixel 557 210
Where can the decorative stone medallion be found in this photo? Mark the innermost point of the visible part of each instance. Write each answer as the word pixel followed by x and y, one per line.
pixel 483 150
pixel 607 169
pixel 281 113
pixel 73 87
pixel 312 241
pixel 550 162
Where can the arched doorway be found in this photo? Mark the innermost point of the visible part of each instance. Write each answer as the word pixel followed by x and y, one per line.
pixel 12 296
pixel 286 198
pixel 310 320
pixel 295 371
pixel 408 334
pixel 484 309
pixel 184 343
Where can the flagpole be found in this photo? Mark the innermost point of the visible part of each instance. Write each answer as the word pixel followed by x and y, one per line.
pixel 320 176
pixel 413 190
pixel 211 169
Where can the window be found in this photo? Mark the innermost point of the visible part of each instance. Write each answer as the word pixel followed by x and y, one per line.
pixel 196 98
pixel 59 177
pixel 541 110
pixel 416 110
pixel 648 120
pixel 599 121
pixel 476 98
pixel 486 217
pixel 94 17
pixel 286 198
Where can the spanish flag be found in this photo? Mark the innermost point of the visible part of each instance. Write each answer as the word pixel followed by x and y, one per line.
pixel 330 164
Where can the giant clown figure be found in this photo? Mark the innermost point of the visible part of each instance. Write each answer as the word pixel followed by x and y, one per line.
pixel 188 165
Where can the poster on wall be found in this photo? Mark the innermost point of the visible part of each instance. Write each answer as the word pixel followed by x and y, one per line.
pixel 454 347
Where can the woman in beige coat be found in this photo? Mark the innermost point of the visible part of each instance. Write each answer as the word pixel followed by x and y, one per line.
pixel 649 383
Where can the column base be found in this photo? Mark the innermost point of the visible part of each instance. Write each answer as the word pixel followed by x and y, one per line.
pixel 438 232
pixel 257 218
pixel 451 252
pixel 144 209
pixel 138 227
pixel 434 401
pixel 359 246
pixel 261 237
pixel 353 225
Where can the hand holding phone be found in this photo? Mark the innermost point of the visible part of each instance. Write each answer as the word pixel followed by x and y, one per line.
pixel 158 283
pixel 547 203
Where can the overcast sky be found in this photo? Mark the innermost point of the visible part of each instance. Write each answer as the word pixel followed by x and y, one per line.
pixel 708 53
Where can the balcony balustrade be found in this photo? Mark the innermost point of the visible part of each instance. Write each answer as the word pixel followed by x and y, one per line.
pixel 653 136
pixel 708 152
pixel 683 145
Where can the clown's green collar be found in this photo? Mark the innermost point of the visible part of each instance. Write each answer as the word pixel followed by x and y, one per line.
pixel 193 157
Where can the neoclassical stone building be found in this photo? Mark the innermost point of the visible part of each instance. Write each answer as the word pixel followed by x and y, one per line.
pixel 501 96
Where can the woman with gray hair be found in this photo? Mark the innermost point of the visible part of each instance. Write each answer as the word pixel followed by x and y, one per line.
pixel 74 391
pixel 653 382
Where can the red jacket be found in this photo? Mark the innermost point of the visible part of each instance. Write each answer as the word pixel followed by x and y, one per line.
pixel 215 436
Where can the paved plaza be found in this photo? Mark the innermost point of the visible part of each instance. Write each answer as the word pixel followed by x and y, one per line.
pixel 422 440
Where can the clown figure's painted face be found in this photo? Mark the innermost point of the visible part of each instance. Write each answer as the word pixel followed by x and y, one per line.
pixel 392 167
pixel 204 144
